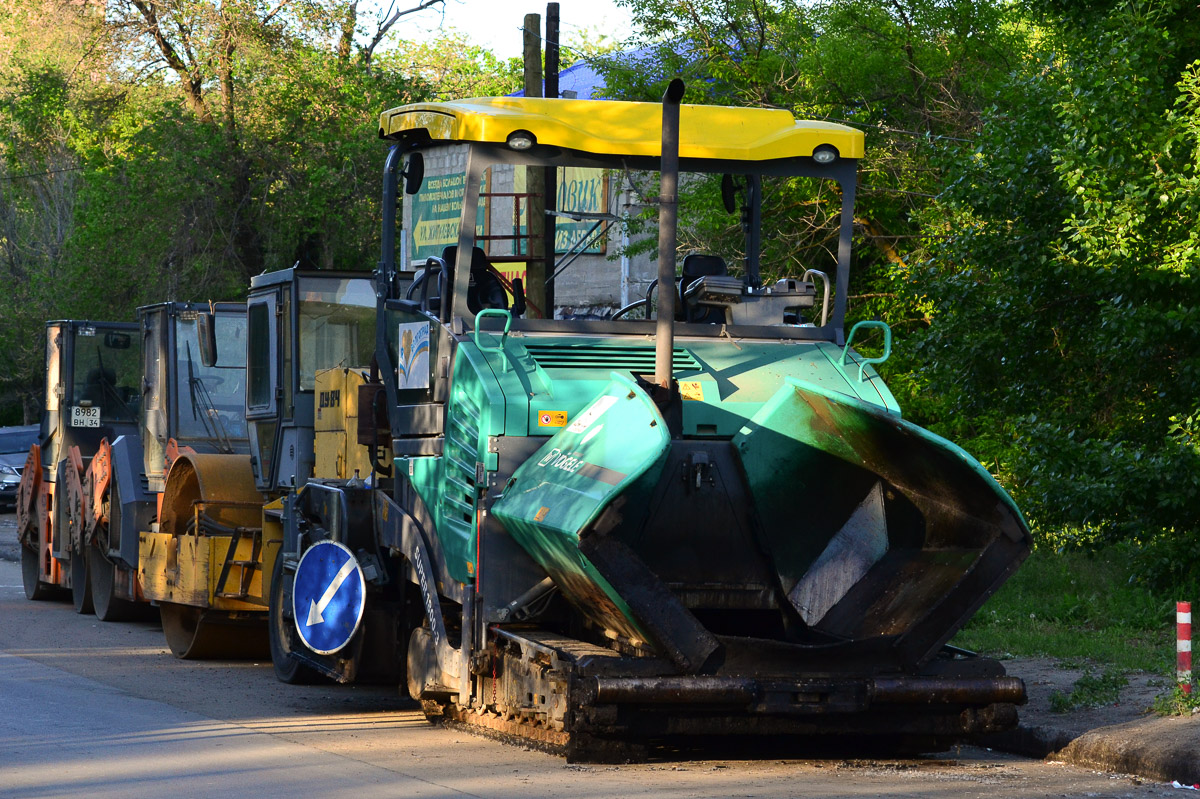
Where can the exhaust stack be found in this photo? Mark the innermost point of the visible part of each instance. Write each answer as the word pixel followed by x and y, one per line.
pixel 668 217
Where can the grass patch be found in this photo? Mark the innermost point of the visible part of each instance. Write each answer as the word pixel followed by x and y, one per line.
pixel 1176 703
pixel 1090 690
pixel 1078 607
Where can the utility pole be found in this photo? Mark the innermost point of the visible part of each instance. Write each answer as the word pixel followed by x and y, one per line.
pixel 551 172
pixel 535 182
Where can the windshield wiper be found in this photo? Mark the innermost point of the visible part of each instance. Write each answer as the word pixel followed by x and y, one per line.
pixel 210 417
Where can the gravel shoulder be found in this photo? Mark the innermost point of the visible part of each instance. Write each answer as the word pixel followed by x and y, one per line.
pixel 1045 676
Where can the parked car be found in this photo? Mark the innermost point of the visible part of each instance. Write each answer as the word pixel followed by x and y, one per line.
pixel 11 465
pixel 14 440
pixel 14 448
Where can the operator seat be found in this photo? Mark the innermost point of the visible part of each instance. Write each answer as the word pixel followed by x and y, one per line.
pixel 484 290
pixel 100 386
pixel 695 266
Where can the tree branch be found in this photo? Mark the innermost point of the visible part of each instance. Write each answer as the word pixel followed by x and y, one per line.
pixel 271 14
pixel 391 20
pixel 190 83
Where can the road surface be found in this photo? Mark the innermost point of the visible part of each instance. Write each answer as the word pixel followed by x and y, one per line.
pixel 103 710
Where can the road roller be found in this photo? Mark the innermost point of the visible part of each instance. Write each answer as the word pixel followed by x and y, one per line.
pixel 184 407
pixel 93 377
pixel 206 557
pixel 705 516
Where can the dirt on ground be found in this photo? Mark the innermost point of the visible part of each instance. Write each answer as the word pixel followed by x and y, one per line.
pixel 1046 676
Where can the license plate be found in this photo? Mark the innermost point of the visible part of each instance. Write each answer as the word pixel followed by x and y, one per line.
pixel 85 417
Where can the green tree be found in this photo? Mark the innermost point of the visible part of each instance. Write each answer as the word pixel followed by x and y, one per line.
pixel 49 98
pixel 450 68
pixel 171 149
pixel 1062 263
pixel 914 75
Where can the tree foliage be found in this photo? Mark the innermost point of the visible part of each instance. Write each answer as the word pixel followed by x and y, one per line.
pixel 915 76
pixel 1027 216
pixel 1027 223
pixel 171 149
pixel 1064 256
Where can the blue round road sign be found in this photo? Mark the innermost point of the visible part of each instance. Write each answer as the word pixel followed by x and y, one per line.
pixel 328 597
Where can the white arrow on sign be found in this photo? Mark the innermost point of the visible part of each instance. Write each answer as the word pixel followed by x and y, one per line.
pixel 315 609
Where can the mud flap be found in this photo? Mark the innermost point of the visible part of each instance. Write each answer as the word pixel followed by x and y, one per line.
pixel 138 507
pixel 435 666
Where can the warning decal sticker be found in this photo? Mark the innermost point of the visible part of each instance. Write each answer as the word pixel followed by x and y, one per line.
pixel 552 418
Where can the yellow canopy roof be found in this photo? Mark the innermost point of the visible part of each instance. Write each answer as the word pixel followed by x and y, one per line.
pixel 621 128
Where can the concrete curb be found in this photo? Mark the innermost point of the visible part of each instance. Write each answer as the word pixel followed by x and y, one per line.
pixel 1162 749
pixel 1030 741
pixel 1159 749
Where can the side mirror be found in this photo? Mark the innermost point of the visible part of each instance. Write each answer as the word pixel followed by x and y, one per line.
pixel 117 341
pixel 728 193
pixel 206 332
pixel 414 173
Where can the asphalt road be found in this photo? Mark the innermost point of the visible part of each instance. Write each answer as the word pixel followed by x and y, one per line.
pixel 104 710
pixel 9 548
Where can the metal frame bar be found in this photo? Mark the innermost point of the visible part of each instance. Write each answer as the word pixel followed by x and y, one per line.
pixel 843 172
